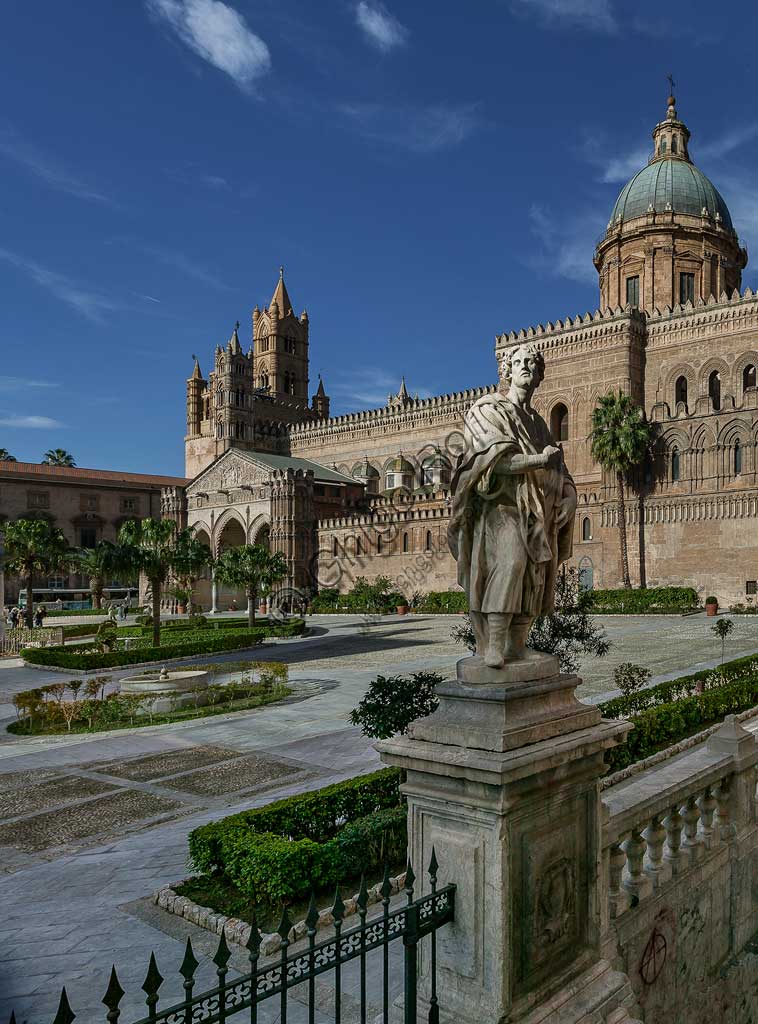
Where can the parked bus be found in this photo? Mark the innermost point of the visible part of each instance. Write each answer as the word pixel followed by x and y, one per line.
pixel 76 600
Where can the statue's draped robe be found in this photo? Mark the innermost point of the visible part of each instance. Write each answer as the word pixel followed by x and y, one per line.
pixel 503 529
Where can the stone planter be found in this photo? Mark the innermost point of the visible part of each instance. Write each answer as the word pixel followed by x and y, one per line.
pixel 402 609
pixel 711 609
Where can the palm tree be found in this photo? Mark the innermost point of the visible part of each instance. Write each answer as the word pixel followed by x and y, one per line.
pixel 34 546
pixel 251 567
pixel 191 557
pixel 619 439
pixel 149 546
pixel 5 456
pixel 98 564
pixel 58 457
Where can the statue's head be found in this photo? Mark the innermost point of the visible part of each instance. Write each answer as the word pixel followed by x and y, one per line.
pixel 523 365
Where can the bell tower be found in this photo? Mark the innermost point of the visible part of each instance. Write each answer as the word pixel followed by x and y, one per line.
pixel 280 360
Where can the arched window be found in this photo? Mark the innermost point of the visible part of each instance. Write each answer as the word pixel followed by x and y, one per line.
pixel 586 529
pixel 674 144
pixel 680 390
pixel 358 546
pixel 378 543
pixel 748 377
pixel 663 145
pixel 405 543
pixel 676 468
pixel 559 422
pixel 586 574
pixel 335 547
pixel 428 540
pixel 714 389
pixel 737 458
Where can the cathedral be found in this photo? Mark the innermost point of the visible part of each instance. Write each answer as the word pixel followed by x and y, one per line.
pixel 366 494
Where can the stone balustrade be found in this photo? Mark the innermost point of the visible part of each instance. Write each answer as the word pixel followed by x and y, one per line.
pixel 680 848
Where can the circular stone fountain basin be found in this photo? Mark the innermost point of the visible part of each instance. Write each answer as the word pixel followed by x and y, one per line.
pixel 165 682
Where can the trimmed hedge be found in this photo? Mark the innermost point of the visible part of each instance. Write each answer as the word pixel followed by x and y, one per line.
pixel 440 602
pixel 669 712
pixel 278 852
pixel 653 600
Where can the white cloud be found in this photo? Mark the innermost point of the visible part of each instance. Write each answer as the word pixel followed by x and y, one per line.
pixel 594 15
pixel 380 28
pixel 367 388
pixel 48 169
pixel 180 261
pixel 22 384
pixel 418 129
pixel 565 246
pixel 90 303
pixel 732 139
pixel 217 33
pixel 30 422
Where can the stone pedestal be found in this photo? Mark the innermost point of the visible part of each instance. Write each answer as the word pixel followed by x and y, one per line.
pixel 502 780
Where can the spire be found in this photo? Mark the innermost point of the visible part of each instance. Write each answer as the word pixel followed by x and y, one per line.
pixel 280 296
pixel 196 374
pixel 402 394
pixel 234 341
pixel 320 392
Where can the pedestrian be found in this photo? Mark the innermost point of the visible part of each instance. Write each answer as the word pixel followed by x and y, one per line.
pixel 13 617
pixel 37 617
pixel 127 605
pixel 42 612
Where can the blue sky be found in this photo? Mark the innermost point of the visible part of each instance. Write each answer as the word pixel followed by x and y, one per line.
pixel 428 173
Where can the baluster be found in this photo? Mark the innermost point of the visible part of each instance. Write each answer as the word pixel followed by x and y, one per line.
pixel 636 882
pixel 655 836
pixel 113 996
pixel 410 941
pixel 311 922
pixel 619 899
pixel 362 906
pixel 386 893
pixel 338 913
pixel 285 925
pixel 673 823
pixel 65 1014
pixel 187 971
pixel 706 802
pixel 151 984
pixel 691 844
pixel 253 952
pixel 724 824
pixel 434 1010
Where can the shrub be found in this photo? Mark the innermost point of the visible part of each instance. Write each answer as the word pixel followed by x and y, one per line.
pixel 655 600
pixel 711 600
pixel 283 865
pixel 365 596
pixel 442 602
pixel 629 677
pixel 393 702
pixel 318 816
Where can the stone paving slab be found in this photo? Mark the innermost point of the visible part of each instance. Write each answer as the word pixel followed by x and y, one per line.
pixel 157 766
pixel 46 795
pixel 232 776
pixel 94 818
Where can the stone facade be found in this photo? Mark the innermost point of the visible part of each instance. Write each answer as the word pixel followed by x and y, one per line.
pixel 672 330
pixel 88 505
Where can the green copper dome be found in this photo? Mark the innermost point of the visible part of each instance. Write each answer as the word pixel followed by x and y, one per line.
pixel 671 181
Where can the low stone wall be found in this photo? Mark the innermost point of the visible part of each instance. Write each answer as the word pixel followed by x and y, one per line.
pixel 681 874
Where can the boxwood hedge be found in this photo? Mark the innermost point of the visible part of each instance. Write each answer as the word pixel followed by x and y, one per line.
pixel 650 600
pixel 278 852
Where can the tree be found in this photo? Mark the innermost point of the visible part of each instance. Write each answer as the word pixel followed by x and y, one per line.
pixel 5 456
pixel 251 567
pixel 393 702
pixel 35 547
pixel 629 678
pixel 192 556
pixel 568 633
pixel 148 546
pixel 723 629
pixel 98 564
pixel 619 438
pixel 58 457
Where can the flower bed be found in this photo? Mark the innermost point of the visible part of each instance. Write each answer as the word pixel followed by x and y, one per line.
pixel 83 706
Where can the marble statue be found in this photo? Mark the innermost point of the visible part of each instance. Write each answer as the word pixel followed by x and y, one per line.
pixel 513 511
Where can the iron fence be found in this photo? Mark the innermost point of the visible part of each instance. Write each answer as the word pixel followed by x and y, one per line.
pixel 41 636
pixel 419 918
